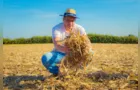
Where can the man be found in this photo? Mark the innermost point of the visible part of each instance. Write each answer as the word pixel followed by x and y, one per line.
pixel 59 33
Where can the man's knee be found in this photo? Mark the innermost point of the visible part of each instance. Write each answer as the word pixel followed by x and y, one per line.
pixel 50 61
pixel 45 59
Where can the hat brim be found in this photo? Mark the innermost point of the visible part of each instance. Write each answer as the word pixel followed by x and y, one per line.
pixel 69 14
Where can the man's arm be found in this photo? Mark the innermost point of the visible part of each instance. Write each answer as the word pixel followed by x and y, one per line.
pixel 56 36
pixel 58 44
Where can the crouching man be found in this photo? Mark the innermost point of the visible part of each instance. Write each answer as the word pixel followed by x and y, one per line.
pixel 59 33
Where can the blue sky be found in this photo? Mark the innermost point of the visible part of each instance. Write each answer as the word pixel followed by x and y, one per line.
pixel 27 18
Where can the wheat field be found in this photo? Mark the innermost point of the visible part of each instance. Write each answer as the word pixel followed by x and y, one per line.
pixel 23 69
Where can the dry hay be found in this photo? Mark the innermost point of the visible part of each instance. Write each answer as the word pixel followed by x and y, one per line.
pixel 79 56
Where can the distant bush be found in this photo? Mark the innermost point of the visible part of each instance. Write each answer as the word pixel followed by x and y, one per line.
pixel 94 38
pixel 34 39
pixel 97 38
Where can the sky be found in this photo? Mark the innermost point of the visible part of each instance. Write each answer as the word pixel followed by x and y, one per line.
pixel 27 18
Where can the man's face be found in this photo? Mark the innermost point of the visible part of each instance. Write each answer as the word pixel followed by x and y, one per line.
pixel 69 22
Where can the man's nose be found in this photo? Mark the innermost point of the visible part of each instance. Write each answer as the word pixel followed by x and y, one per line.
pixel 70 23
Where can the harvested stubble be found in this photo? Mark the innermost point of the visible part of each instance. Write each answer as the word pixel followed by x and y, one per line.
pixel 109 58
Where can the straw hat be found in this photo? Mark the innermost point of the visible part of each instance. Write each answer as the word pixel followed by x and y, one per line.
pixel 70 12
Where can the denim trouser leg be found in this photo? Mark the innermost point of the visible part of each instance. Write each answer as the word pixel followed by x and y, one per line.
pixel 50 59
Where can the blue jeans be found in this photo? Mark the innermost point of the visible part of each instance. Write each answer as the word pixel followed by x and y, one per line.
pixel 50 59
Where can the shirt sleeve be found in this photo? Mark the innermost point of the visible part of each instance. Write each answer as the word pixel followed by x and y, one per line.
pixel 55 33
pixel 82 31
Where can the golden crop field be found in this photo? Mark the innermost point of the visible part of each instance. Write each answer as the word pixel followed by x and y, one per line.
pixel 114 67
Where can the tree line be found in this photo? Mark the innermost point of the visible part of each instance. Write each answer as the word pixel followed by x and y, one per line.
pixel 94 38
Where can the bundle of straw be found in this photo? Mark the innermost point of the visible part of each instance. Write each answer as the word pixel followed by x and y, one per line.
pixel 79 55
